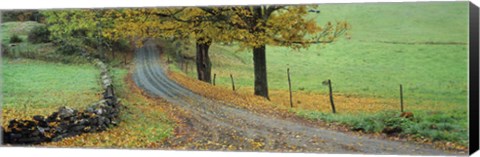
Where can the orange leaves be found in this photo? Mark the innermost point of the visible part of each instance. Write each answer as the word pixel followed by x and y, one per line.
pixel 164 23
pixel 243 97
pixel 311 27
pixel 343 103
pixel 291 27
pixel 251 26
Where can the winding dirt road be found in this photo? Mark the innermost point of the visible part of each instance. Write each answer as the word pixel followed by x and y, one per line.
pixel 218 126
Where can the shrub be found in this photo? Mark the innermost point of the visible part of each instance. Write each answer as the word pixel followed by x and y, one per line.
pixel 69 49
pixel 21 15
pixel 15 39
pixel 120 45
pixel 39 34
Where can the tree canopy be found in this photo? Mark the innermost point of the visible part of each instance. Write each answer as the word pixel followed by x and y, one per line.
pixel 250 26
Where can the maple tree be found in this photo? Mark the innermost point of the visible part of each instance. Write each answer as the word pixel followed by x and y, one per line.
pixel 182 23
pixel 258 26
pixel 251 26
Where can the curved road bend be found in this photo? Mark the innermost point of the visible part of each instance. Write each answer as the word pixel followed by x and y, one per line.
pixel 220 123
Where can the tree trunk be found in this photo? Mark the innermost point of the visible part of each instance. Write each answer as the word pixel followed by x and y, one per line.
pixel 204 66
pixel 113 55
pixel 125 58
pixel 260 68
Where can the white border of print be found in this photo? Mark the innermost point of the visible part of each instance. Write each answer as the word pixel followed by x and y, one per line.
pixel 47 4
pixel 77 152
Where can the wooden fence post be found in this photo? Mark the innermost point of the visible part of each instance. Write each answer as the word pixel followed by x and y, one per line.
pixel 186 67
pixel 233 83
pixel 182 66
pixel 290 87
pixel 401 98
pixel 214 76
pixel 331 96
pixel 192 68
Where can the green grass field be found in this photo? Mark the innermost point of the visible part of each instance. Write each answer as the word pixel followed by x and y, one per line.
pixel 364 66
pixel 37 87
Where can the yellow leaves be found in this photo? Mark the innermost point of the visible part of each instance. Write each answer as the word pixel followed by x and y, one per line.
pixel 144 23
pixel 53 124
pixel 138 43
pixel 126 135
pixel 231 147
pixel 290 24
pixel 243 97
pixel 109 35
pixel 311 27
pixel 257 145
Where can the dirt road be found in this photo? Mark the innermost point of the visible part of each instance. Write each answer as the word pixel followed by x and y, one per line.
pixel 216 126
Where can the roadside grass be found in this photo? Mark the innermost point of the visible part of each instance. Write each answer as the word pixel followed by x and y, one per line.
pixel 144 122
pixel 33 87
pixel 426 126
pixel 365 72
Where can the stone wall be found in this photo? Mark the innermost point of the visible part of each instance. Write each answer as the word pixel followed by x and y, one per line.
pixel 66 122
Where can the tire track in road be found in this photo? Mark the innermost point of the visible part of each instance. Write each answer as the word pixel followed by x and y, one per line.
pixel 219 126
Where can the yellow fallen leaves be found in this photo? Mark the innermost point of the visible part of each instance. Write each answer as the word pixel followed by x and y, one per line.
pixel 257 145
pixel 344 104
pixel 224 94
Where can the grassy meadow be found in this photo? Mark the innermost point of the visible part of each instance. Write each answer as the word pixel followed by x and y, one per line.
pixel 366 70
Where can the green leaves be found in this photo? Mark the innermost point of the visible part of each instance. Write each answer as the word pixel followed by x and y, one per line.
pixel 81 26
